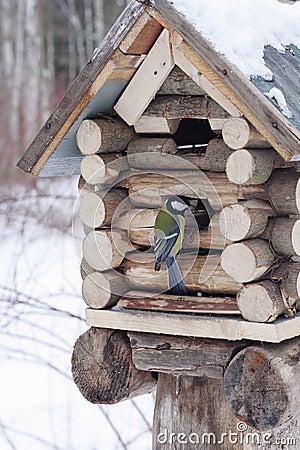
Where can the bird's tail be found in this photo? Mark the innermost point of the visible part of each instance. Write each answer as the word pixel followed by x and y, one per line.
pixel 175 281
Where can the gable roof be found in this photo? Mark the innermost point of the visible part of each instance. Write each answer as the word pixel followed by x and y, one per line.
pixel 101 82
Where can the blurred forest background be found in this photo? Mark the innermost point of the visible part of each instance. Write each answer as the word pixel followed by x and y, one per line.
pixel 43 45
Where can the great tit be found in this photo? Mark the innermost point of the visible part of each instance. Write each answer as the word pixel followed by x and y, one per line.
pixel 168 237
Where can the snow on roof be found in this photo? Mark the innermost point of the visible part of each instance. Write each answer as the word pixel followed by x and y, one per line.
pixel 240 29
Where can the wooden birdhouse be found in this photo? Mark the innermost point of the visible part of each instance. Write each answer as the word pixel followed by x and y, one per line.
pixel 157 112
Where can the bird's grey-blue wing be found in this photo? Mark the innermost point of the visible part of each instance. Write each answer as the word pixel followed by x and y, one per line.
pixel 163 244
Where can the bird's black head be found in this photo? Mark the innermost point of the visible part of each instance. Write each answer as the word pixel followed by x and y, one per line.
pixel 175 205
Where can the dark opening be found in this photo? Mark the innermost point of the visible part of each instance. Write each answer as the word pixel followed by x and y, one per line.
pixel 193 132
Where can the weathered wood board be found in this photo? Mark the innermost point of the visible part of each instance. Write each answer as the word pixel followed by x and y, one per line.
pixel 195 325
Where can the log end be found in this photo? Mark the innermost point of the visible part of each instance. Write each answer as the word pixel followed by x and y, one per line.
pixel 88 137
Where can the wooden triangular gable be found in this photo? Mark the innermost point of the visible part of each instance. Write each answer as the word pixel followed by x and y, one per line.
pixel 127 71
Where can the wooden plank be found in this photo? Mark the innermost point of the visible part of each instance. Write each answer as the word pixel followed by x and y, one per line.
pixel 182 355
pixel 146 27
pixel 146 82
pixel 281 134
pixel 231 329
pixel 85 86
pixel 62 166
pixel 164 302
pixel 185 65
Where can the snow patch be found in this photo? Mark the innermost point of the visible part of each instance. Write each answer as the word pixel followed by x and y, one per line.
pixel 240 29
pixel 278 96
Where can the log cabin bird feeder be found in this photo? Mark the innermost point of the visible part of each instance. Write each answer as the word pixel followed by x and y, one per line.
pixel 157 111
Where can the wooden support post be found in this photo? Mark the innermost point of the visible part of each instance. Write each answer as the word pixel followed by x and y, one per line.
pixel 192 412
pixel 248 260
pixel 238 133
pixel 103 370
pixel 262 385
pixel 107 135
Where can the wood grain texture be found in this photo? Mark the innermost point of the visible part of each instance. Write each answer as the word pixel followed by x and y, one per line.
pixel 262 382
pixel 147 27
pixel 182 355
pixel 103 370
pixel 231 329
pixel 171 303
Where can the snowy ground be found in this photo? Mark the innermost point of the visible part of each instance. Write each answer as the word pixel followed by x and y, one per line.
pixel 41 317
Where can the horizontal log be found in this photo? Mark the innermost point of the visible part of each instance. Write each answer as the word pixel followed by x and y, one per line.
pixel 150 153
pixel 262 302
pixel 184 107
pixel 283 191
pixel 288 274
pixel 178 83
pixel 97 209
pixel 239 133
pixel 244 220
pixel 104 135
pixel 156 125
pixel 201 274
pixel 100 290
pixel 83 186
pixel 180 355
pixel 103 370
pixel 104 169
pixel 248 260
pixel 261 384
pixel 104 250
pixel 184 304
pixel 85 269
pixel 150 189
pixel 250 166
pixel 284 234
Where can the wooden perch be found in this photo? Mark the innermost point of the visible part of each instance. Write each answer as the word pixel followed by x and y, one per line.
pixel 262 302
pixel 150 153
pixel 184 107
pixel 98 208
pixel 247 261
pixel 104 250
pixel 103 136
pixel 104 169
pixel 250 166
pixel 284 233
pixel 238 133
pixel 182 355
pixel 262 384
pixel 288 273
pixel 201 274
pixel 184 304
pixel 178 83
pixel 150 189
pixel 103 370
pixel 103 289
pixel 283 191
pixel 244 220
